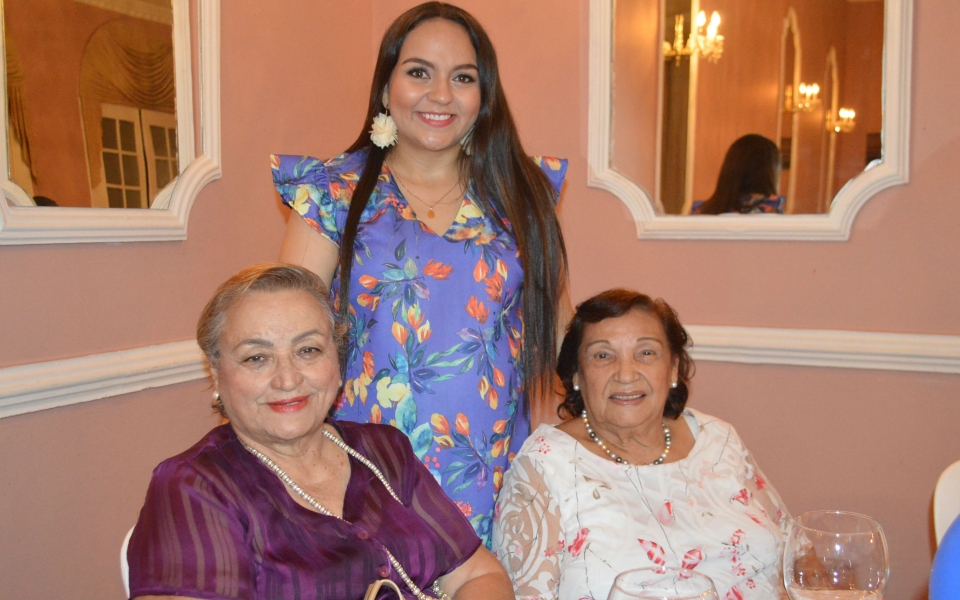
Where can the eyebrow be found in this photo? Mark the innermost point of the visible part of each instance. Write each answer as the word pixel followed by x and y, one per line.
pixel 639 339
pixel 430 65
pixel 269 344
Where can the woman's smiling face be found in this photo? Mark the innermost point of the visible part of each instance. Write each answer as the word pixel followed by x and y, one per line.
pixel 434 91
pixel 278 372
pixel 626 371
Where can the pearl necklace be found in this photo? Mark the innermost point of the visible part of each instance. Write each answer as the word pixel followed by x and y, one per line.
pixel 593 436
pixel 441 595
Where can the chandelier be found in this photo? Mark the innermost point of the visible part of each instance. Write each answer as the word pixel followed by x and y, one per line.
pixel 844 122
pixel 807 100
pixel 709 45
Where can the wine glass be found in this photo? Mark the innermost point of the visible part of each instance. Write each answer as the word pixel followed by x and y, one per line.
pixel 834 555
pixel 662 583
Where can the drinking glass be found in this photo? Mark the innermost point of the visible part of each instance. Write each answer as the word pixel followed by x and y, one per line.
pixel 661 583
pixel 834 555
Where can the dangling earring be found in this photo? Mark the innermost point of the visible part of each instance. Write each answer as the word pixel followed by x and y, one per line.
pixel 384 131
pixel 465 142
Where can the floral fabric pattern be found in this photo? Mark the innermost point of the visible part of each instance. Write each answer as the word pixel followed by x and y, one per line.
pixel 568 521
pixel 434 333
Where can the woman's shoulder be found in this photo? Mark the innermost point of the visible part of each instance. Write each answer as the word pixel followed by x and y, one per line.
pixel 367 433
pixel 716 433
pixel 381 443
pixel 554 168
pixel 303 169
pixel 545 444
pixel 709 423
pixel 217 456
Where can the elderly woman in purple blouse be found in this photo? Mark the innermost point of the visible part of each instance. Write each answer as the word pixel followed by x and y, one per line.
pixel 283 501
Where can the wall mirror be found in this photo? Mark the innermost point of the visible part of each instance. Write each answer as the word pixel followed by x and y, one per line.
pixel 826 80
pixel 105 137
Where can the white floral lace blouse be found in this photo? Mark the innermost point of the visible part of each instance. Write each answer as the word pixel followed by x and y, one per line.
pixel 567 520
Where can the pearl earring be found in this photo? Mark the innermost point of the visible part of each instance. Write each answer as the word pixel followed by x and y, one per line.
pixel 384 131
pixel 576 388
pixel 673 385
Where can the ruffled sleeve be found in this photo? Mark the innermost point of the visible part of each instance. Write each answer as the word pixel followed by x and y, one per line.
pixel 304 185
pixel 555 169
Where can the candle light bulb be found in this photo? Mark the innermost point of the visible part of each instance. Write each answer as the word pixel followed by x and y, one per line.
pixel 701 19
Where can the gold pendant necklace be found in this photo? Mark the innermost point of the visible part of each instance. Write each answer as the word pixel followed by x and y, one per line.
pixel 406 191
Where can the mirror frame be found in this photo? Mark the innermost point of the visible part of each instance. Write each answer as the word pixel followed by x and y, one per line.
pixel 25 223
pixel 835 225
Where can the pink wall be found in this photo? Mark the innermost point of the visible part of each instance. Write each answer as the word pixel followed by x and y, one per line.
pixel 870 441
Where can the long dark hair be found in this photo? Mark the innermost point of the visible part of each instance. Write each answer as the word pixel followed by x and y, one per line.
pixel 616 303
pixel 751 166
pixel 510 186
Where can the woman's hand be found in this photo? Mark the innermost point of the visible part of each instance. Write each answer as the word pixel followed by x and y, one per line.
pixel 481 577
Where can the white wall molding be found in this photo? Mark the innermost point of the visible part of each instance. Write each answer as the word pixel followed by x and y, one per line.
pixel 827 348
pixel 39 386
pixel 833 226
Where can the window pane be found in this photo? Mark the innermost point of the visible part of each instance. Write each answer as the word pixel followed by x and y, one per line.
pixel 173 141
pixel 163 173
pixel 111 168
pixel 131 170
pixel 109 135
pixel 173 167
pixel 128 136
pixel 133 199
pixel 159 137
pixel 115 197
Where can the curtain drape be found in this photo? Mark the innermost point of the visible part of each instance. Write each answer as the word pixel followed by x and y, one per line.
pixel 15 106
pixel 126 62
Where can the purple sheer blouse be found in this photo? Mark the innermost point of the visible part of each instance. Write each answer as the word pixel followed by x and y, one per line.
pixel 218 524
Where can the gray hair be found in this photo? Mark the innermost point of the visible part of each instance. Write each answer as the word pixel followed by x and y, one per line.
pixel 264 277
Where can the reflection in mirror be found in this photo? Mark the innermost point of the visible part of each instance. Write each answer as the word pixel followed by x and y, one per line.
pixel 117 146
pixel 774 78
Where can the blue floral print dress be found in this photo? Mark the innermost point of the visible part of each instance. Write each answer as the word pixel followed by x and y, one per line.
pixel 435 332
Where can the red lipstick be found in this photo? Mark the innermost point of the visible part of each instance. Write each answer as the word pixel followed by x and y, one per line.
pixel 290 405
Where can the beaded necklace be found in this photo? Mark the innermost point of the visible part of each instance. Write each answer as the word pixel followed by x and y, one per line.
pixel 603 446
pixel 286 479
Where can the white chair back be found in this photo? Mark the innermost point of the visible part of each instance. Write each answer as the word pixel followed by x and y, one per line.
pixel 946 500
pixel 124 566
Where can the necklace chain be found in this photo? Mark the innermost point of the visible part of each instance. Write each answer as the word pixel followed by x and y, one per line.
pixel 430 207
pixel 286 479
pixel 603 446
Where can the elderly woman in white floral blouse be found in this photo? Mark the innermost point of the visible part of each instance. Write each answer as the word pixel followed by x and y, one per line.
pixel 634 479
